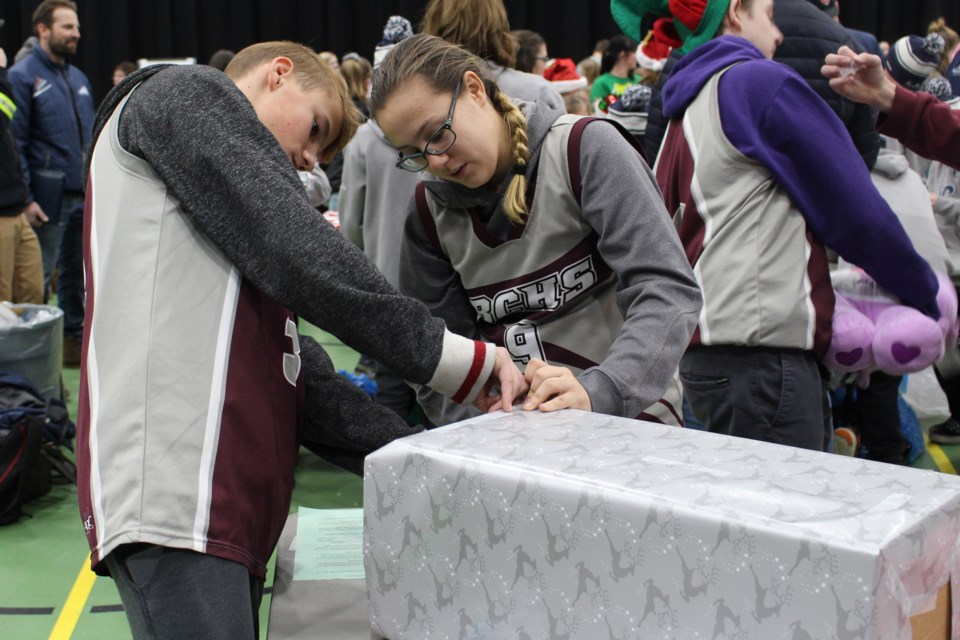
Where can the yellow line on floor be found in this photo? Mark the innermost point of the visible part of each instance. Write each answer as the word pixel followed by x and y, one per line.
pixel 939 457
pixel 73 607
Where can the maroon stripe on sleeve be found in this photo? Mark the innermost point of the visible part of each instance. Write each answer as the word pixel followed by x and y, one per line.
pixel 479 354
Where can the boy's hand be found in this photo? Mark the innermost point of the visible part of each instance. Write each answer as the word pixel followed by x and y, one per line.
pixel 553 388
pixel 508 379
pixel 859 77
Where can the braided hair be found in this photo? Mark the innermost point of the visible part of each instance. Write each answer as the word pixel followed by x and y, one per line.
pixel 442 65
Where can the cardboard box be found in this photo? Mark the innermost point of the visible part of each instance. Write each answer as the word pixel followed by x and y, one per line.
pixel 580 525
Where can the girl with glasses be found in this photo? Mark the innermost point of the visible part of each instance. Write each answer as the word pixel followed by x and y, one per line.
pixel 582 279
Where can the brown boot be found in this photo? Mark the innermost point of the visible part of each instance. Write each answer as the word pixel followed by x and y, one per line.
pixel 72 346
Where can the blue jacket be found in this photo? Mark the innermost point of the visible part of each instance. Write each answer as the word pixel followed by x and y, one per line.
pixel 13 188
pixel 54 116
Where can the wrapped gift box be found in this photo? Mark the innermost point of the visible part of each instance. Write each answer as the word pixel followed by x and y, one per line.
pixel 579 525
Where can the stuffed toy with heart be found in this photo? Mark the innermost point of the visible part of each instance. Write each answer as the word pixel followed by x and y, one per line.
pixel 872 331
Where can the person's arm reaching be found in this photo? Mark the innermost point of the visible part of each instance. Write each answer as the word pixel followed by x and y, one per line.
pixel 919 120
pixel 776 119
pixel 234 181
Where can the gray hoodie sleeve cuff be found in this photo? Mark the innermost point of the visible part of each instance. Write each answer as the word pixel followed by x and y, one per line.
pixel 604 396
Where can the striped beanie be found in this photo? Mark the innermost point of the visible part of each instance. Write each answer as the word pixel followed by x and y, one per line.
pixel 913 59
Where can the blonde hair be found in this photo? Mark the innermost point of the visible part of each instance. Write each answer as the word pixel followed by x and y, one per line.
pixel 479 26
pixel 356 70
pixel 310 71
pixel 589 68
pixel 442 65
pixel 950 37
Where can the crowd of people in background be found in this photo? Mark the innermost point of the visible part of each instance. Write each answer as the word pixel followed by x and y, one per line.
pixel 647 231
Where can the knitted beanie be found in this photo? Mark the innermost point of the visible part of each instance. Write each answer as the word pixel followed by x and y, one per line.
pixel 636 99
pixel 937 86
pixel 913 59
pixel 631 109
pixel 396 29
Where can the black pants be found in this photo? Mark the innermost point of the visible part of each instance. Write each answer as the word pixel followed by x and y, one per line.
pixel 174 594
pixel 768 394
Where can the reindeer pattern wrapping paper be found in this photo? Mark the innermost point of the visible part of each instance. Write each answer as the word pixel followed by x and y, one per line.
pixel 580 525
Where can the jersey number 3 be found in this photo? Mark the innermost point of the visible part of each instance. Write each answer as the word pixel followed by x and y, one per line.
pixel 291 361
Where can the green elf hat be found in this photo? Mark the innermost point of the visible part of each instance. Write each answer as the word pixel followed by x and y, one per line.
pixel 697 21
pixel 628 14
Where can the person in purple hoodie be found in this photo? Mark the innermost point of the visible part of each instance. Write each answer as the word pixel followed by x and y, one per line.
pixel 762 177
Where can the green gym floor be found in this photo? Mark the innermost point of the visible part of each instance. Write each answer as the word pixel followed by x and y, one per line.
pixel 47 590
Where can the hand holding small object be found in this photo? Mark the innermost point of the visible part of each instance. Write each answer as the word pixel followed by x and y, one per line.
pixel 859 77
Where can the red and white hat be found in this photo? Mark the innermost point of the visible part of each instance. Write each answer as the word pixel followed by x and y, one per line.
pixel 656 46
pixel 563 76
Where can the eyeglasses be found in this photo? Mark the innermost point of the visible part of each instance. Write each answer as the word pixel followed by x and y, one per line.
pixel 438 144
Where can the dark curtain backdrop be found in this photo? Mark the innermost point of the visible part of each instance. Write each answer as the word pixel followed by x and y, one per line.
pixel 115 30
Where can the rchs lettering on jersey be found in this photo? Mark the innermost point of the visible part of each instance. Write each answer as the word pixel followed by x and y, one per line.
pixel 543 294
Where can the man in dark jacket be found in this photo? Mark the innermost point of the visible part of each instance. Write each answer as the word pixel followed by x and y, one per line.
pixel 21 270
pixel 808 35
pixel 53 123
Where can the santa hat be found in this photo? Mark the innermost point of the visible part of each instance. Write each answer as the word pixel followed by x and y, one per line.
pixel 913 59
pixel 697 21
pixel 657 45
pixel 396 29
pixel 563 76
pixel 628 14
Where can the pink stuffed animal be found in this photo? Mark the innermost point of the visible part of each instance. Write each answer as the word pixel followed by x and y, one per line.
pixel 872 331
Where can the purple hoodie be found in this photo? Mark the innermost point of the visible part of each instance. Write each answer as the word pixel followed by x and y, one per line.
pixel 772 116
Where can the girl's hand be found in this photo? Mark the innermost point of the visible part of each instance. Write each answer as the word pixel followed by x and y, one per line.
pixel 553 388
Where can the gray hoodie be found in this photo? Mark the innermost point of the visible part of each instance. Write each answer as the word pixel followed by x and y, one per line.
pixel 656 291
pixel 373 195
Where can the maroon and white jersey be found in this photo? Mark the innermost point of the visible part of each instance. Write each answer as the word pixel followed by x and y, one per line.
pixel 545 291
pixel 191 393
pixel 191 390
